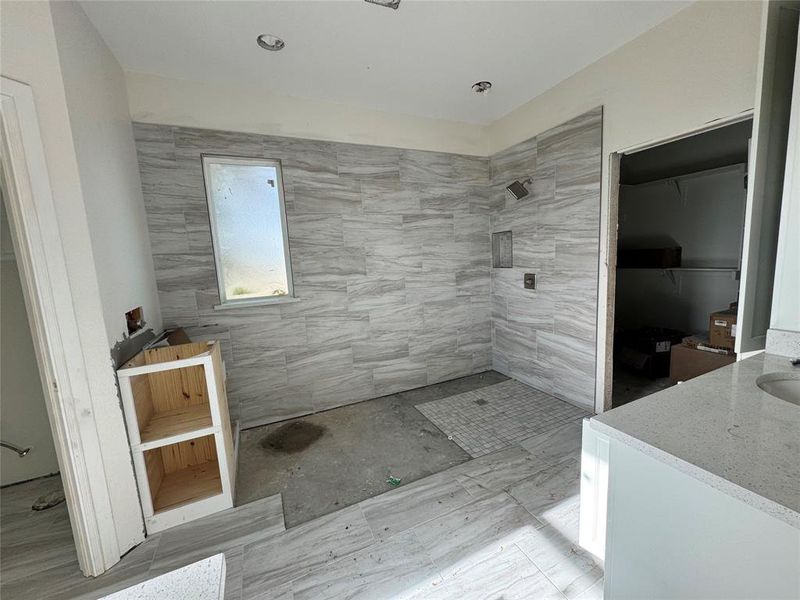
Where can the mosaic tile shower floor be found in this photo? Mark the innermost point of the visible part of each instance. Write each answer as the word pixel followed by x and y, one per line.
pixel 496 417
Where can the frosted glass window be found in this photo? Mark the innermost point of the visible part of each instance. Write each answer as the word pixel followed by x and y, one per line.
pixel 248 225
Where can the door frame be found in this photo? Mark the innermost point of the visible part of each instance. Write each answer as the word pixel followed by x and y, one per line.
pixel 608 259
pixel 56 334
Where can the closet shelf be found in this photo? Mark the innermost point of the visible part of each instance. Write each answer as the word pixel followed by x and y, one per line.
pixel 670 271
pixel 175 425
pixel 717 269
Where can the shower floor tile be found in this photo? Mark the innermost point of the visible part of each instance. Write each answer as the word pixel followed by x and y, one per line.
pixel 498 416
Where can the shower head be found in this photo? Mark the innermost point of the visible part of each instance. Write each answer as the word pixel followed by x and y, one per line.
pixel 518 188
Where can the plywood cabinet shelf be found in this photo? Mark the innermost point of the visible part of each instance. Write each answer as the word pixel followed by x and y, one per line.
pixel 188 485
pixel 177 424
pixel 183 473
pixel 180 432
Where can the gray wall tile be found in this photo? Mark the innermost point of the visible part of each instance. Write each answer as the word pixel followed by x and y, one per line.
pixel 315 230
pixel 391 196
pixel 399 375
pixel 391 256
pixel 342 388
pixel 332 195
pixel 368 161
pixel 545 337
pixel 420 165
pixel 373 231
pixel 374 235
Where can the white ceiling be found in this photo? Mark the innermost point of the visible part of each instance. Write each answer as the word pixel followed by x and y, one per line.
pixel 421 59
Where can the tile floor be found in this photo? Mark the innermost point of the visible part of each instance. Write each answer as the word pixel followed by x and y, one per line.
pixel 503 525
pixel 492 418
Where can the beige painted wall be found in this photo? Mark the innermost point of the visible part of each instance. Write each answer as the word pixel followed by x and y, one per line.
pixel 24 415
pixel 696 67
pixel 103 139
pixel 30 55
pixel 161 100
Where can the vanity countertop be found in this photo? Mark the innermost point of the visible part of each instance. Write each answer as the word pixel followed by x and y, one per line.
pixel 722 429
pixel 202 580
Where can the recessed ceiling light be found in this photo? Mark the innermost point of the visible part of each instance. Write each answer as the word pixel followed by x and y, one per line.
pixel 481 87
pixel 270 42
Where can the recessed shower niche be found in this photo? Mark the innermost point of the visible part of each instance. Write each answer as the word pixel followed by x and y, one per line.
pixel 502 252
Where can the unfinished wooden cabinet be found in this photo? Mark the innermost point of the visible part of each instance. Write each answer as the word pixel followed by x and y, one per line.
pixel 180 432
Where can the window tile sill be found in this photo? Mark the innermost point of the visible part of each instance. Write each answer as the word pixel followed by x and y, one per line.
pixel 257 302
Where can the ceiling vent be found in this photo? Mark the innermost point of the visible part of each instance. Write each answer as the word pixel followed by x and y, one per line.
pixel 395 4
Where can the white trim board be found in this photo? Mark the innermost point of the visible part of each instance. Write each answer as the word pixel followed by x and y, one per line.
pixel 55 330
pixel 607 277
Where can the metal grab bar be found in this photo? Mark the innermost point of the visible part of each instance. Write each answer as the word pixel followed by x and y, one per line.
pixel 20 451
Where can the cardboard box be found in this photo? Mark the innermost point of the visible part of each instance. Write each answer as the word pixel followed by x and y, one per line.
pixel 686 362
pixel 647 349
pixel 722 329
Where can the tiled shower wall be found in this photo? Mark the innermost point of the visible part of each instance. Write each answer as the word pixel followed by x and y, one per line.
pixel 546 337
pixel 390 253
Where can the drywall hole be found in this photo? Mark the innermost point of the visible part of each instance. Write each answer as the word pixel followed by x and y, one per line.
pixel 529 281
pixel 135 320
pixel 502 254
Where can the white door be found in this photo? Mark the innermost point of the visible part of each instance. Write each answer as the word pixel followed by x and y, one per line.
pixel 765 172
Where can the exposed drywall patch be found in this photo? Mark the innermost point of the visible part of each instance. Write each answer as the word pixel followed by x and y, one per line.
pixel 134 319
pixel 130 345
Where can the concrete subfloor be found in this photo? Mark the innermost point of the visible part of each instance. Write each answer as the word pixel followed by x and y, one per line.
pixel 629 386
pixel 360 446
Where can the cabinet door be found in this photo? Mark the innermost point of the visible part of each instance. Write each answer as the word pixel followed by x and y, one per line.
pixel 765 172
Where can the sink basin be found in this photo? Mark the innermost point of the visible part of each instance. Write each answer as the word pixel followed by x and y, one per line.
pixel 782 384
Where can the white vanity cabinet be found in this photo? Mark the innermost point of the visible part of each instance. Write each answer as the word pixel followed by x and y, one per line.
pixel 694 492
pixel 671 535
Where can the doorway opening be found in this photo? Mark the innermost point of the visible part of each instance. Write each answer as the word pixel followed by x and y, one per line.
pixel 681 216
pixel 35 514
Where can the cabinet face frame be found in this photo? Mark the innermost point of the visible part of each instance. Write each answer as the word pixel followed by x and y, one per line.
pixel 211 362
